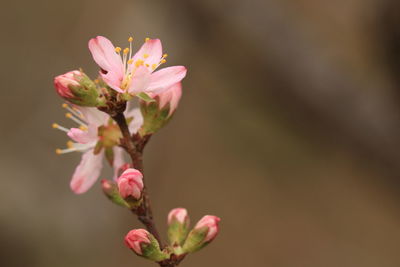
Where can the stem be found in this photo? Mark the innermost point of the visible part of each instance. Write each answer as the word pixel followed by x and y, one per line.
pixel 144 212
pixel 134 146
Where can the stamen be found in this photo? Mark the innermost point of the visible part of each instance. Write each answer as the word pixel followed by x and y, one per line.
pixel 130 61
pixel 147 39
pixel 75 119
pixel 163 61
pixel 59 127
pixel 73 110
pixel 66 150
pixel 147 65
pixel 165 55
pixel 139 62
pixel 126 51
pixel 154 66
pixel 70 144
pixel 83 128
pixel 118 49
pixel 145 55
pixel 130 40
pixel 96 81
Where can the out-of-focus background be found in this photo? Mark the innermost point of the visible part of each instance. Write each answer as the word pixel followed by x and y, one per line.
pixel 288 130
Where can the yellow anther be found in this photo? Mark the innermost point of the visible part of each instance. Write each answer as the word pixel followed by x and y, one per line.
pixel 118 49
pixel 130 39
pixel 147 65
pixel 58 151
pixel 154 66
pixel 64 105
pixel 165 55
pixel 55 125
pixel 130 61
pixel 83 128
pixel 147 39
pixel 68 115
pixel 70 144
pixel 96 81
pixel 163 61
pixel 126 50
pixel 145 55
pixel 139 62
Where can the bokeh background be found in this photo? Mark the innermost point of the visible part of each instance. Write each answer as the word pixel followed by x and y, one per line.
pixel 288 130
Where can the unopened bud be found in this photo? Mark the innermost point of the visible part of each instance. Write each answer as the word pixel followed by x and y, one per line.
pixel 144 244
pixel 77 88
pixel 130 184
pixel 110 189
pixel 202 234
pixel 157 114
pixel 178 226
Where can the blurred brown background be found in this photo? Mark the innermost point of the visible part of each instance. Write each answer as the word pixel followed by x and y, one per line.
pixel 288 130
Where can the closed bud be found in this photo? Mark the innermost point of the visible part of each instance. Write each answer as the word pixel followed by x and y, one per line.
pixel 145 245
pixel 110 189
pixel 77 88
pixel 130 184
pixel 202 234
pixel 157 113
pixel 178 226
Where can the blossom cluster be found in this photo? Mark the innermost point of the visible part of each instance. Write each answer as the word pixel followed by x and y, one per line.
pixel 130 100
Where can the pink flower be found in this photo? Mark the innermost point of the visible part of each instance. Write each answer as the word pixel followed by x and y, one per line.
pixel 135 238
pixel 130 183
pixel 134 74
pixel 85 139
pixel 63 82
pixel 211 222
pixel 170 96
pixel 179 214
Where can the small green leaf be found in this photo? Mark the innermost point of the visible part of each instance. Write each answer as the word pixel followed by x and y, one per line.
pixel 145 97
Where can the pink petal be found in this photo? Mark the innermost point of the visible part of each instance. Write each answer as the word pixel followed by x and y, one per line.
pixel 153 49
pixel 113 80
pixel 118 160
pixel 103 52
pixel 163 79
pixel 79 136
pixel 140 80
pixel 137 121
pixel 87 172
pixel 93 116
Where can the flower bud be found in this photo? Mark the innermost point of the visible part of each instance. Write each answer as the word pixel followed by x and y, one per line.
pixel 169 98
pixel 202 234
pixel 110 189
pixel 178 226
pixel 130 184
pixel 144 244
pixel 156 114
pixel 77 88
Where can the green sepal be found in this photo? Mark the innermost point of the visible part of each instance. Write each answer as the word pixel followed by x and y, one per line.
pixel 153 252
pixel 154 118
pixel 177 232
pixel 86 93
pixel 98 147
pixel 145 97
pixel 109 153
pixel 110 189
pixel 195 240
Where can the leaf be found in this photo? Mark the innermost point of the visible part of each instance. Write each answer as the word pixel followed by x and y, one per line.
pixel 145 97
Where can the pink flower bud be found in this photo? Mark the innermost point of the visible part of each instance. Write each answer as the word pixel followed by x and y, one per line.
pixel 179 214
pixel 170 96
pixel 211 222
pixel 63 83
pixel 130 183
pixel 135 238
